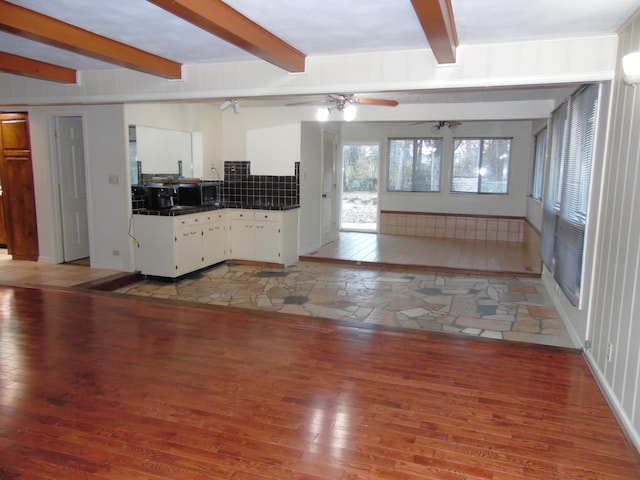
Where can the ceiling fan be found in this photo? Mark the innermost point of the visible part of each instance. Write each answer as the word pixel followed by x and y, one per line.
pixel 345 103
pixel 437 126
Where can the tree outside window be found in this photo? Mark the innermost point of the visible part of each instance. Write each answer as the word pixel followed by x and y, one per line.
pixel 414 165
pixel 481 165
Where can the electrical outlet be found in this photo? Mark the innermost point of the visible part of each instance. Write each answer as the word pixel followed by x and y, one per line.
pixel 115 253
pixel 609 352
pixel 113 180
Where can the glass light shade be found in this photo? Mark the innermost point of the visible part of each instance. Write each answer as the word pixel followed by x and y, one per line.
pixel 322 115
pixel 349 113
pixel 631 68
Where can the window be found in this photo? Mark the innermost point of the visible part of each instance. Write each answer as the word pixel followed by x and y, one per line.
pixel 565 200
pixel 537 178
pixel 414 164
pixel 481 165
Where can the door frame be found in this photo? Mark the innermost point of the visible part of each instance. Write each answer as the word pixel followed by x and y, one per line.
pixel 56 202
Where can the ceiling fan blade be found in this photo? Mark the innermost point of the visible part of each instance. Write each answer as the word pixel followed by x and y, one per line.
pixel 376 101
pixel 311 102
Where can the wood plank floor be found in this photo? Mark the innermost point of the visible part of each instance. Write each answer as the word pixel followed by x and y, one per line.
pixel 468 256
pixel 97 386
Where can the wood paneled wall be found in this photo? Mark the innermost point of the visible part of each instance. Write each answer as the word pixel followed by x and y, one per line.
pixel 615 302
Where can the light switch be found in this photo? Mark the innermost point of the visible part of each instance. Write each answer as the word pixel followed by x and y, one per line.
pixel 113 180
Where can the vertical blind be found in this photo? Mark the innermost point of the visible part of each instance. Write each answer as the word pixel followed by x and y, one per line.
pixel 567 192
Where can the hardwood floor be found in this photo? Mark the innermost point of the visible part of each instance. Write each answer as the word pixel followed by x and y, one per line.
pixel 426 253
pixel 98 386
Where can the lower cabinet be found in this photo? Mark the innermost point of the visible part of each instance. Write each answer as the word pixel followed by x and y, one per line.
pixel 174 246
pixel 215 241
pixel 269 236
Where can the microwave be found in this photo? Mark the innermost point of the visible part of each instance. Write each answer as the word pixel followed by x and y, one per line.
pixel 196 194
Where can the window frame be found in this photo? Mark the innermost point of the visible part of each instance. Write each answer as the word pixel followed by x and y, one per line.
pixel 479 167
pixel 415 158
pixel 536 189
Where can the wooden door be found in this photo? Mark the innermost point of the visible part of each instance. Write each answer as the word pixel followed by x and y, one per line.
pixel 17 186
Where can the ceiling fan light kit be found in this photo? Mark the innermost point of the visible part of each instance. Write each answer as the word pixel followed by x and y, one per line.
pixel 322 115
pixel 452 126
pixel 631 68
pixel 345 103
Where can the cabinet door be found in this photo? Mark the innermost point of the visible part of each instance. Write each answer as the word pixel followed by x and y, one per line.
pixel 17 184
pixel 268 241
pixel 214 242
pixel 188 249
pixel 155 244
pixel 242 240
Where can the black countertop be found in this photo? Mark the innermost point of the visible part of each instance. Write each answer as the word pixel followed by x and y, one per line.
pixel 186 210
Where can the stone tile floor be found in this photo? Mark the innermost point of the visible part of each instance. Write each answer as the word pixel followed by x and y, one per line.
pixel 507 308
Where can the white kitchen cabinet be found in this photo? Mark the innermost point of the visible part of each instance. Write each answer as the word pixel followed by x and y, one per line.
pixel 187 249
pixel 174 246
pixel 269 236
pixel 215 242
pixel 242 235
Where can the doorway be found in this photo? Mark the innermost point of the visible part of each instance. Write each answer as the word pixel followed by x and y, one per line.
pixel 72 187
pixel 359 193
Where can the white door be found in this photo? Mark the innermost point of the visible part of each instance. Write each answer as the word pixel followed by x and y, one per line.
pixel 73 190
pixel 329 224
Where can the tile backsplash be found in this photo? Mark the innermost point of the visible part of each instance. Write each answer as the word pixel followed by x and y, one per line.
pixel 488 228
pixel 240 186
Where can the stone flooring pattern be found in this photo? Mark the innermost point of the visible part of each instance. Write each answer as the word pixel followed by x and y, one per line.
pixel 507 308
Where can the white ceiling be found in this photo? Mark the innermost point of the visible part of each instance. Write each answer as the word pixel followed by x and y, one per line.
pixel 317 27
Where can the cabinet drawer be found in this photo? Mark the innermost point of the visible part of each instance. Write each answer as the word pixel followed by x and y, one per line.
pixel 267 216
pixel 184 220
pixel 241 215
pixel 218 216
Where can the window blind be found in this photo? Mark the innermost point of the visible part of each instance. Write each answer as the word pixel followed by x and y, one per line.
pixel 551 204
pixel 575 191
pixel 565 202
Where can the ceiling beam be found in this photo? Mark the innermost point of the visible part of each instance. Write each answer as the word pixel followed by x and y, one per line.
pixel 41 28
pixel 28 67
pixel 218 18
pixel 436 18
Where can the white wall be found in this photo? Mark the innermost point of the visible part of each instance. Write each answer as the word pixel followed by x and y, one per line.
pixel 109 204
pixel 273 150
